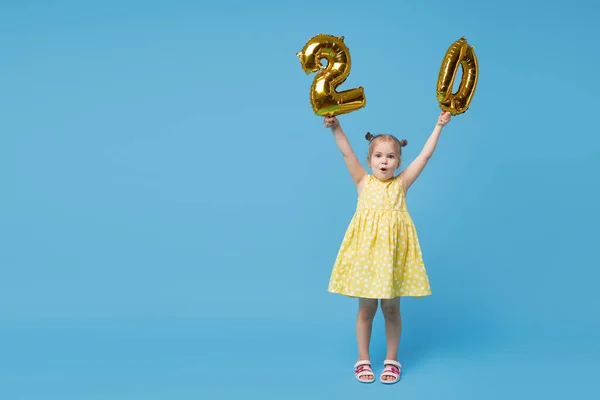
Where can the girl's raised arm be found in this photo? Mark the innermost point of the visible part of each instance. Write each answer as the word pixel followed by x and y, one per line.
pixel 357 171
pixel 412 172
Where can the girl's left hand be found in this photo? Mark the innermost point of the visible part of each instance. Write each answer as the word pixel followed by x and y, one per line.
pixel 444 118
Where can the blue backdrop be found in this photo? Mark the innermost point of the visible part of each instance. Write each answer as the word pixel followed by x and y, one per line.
pixel 171 208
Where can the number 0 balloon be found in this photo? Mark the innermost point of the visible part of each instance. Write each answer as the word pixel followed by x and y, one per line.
pixel 458 54
pixel 324 98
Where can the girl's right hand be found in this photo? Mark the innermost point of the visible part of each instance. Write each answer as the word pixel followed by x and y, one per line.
pixel 331 122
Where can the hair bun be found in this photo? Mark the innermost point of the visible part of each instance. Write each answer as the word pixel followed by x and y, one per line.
pixel 403 142
pixel 369 136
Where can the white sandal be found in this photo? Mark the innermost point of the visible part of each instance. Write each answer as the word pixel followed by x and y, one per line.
pixel 362 368
pixel 393 369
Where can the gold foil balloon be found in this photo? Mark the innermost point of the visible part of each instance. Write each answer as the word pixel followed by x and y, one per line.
pixel 460 53
pixel 324 98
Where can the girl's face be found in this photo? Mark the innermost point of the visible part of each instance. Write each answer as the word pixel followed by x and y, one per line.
pixel 384 160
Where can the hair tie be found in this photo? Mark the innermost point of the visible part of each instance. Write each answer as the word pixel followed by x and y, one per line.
pixel 369 136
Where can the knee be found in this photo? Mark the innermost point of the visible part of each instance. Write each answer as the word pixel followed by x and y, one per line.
pixel 367 313
pixel 391 311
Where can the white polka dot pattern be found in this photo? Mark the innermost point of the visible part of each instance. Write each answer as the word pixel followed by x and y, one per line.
pixel 380 256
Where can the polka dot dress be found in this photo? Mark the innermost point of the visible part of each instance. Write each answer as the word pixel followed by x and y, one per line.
pixel 380 256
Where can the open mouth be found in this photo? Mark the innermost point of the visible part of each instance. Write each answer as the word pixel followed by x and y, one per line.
pixel 384 170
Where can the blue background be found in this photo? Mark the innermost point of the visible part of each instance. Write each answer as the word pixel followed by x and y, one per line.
pixel 171 208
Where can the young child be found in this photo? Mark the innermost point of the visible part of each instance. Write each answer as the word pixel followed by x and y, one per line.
pixel 380 256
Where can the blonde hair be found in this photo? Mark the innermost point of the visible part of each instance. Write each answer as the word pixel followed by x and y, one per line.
pixel 374 139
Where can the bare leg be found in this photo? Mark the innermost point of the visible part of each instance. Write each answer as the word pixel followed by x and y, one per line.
pixel 364 325
pixel 393 328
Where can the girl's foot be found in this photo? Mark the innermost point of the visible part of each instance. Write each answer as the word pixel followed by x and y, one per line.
pixel 391 371
pixel 363 372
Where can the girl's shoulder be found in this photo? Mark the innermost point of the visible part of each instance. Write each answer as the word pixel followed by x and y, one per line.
pixel 363 183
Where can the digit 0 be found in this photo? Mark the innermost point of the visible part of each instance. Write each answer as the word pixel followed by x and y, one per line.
pixel 460 53
pixel 324 98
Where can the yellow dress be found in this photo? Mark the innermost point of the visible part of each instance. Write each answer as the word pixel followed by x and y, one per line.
pixel 380 255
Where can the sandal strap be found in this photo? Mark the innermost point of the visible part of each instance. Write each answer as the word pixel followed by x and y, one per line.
pixel 362 362
pixel 363 369
pixel 393 362
pixel 391 371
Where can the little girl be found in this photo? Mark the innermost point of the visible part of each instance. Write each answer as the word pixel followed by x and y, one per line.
pixel 380 256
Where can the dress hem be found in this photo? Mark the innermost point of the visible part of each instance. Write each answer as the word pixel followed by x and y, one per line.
pixel 354 296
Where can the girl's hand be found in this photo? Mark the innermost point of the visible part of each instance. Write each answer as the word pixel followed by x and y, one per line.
pixel 331 122
pixel 444 118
